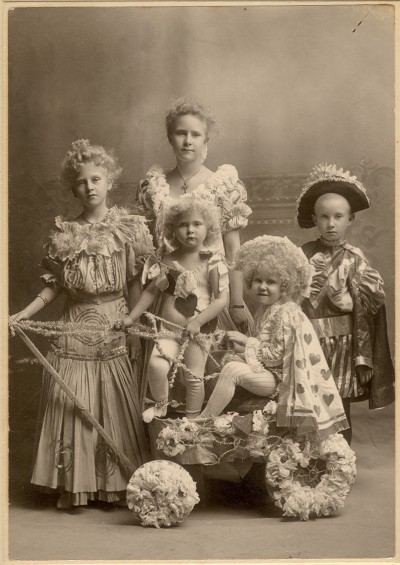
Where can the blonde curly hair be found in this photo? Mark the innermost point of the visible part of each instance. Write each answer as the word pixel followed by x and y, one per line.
pixel 184 106
pixel 188 204
pixel 83 152
pixel 280 255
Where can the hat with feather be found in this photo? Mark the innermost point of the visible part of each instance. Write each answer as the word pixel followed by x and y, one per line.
pixel 328 178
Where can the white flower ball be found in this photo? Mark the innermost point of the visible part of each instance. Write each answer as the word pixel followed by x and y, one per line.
pixel 161 493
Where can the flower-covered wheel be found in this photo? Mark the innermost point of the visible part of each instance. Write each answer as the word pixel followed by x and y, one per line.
pixel 310 479
pixel 161 493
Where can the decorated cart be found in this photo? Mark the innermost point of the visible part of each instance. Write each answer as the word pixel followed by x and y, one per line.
pixel 305 477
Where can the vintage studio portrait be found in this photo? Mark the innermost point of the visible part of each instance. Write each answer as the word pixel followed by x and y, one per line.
pixel 201 282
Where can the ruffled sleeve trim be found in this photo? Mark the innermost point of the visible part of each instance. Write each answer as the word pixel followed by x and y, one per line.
pixel 118 228
pixel 155 270
pixel 218 261
pixel 153 190
pixel 230 196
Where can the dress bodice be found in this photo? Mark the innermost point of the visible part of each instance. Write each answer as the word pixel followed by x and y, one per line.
pixel 93 259
pixel 192 286
pixel 223 188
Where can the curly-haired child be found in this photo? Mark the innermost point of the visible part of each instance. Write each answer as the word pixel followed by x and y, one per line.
pixel 93 259
pixel 285 358
pixel 346 303
pixel 193 282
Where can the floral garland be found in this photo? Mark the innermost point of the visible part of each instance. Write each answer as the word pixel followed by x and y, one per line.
pixel 310 478
pixel 161 493
pixel 305 477
pixel 56 329
pixel 224 437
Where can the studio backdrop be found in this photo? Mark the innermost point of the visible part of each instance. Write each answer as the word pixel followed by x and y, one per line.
pixel 290 86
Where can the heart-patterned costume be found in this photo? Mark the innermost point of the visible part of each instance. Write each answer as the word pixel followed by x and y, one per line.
pixel 185 293
pixel 285 359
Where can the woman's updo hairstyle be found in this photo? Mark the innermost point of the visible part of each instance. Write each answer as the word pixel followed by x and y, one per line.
pixel 185 106
pixel 83 152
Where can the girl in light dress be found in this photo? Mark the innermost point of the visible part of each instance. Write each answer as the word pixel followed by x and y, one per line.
pixel 193 282
pixel 283 358
pixel 188 126
pixel 95 259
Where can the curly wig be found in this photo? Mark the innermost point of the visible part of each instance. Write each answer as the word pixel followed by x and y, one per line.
pixel 184 106
pixel 83 152
pixel 280 255
pixel 188 204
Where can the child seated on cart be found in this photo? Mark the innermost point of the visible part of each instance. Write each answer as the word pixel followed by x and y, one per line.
pixel 284 359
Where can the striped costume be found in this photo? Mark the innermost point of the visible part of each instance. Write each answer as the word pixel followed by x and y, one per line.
pixel 346 293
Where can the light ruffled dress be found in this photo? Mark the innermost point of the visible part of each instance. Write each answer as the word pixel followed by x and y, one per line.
pixel 223 189
pixel 92 264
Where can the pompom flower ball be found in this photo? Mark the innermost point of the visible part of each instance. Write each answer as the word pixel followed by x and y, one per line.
pixel 161 493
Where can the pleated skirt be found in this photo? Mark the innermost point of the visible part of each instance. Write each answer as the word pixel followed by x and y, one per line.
pixel 71 455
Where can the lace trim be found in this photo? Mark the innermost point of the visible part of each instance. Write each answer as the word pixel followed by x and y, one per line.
pixel 101 355
pixel 337 243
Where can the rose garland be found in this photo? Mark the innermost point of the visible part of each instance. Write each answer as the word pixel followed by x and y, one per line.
pixel 228 435
pixel 310 478
pixel 305 477
pixel 161 493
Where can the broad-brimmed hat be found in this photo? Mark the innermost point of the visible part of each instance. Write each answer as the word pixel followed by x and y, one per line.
pixel 327 178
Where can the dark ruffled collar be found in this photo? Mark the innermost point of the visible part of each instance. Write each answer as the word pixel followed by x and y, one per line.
pixel 337 243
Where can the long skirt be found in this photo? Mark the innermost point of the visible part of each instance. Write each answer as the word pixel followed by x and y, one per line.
pixel 70 452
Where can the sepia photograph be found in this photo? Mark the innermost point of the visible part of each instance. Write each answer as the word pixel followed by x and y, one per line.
pixel 200 201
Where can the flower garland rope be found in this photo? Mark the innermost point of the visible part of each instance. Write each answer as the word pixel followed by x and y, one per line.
pixel 57 329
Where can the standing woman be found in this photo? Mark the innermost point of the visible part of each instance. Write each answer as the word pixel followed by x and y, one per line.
pixel 95 259
pixel 188 127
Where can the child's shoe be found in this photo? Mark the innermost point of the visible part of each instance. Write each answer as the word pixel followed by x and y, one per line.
pixel 159 410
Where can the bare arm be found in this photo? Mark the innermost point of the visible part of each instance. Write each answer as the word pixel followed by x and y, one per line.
pixel 48 295
pixel 132 340
pixel 146 299
pixel 238 315
pixel 212 311
pixel 134 292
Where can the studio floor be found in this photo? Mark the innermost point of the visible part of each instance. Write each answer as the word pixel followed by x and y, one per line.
pixel 236 524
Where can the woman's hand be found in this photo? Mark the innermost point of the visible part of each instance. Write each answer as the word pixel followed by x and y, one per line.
pixel 127 322
pixel 22 315
pixel 193 328
pixel 239 318
pixel 236 340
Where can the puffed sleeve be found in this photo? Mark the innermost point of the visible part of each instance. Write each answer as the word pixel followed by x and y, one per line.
pixel 368 284
pixel 139 246
pixel 260 354
pixel 52 263
pixel 144 201
pixel 218 262
pixel 151 193
pixel 156 271
pixel 230 196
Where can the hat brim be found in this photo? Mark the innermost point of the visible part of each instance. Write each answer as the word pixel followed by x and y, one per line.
pixel 356 198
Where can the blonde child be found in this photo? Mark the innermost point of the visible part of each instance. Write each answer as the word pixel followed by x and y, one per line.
pixel 93 259
pixel 193 282
pixel 346 303
pixel 284 359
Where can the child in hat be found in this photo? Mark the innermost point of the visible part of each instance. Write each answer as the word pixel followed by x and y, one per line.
pixel 346 302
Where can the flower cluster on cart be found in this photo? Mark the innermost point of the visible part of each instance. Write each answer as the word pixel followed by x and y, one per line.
pixel 306 477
